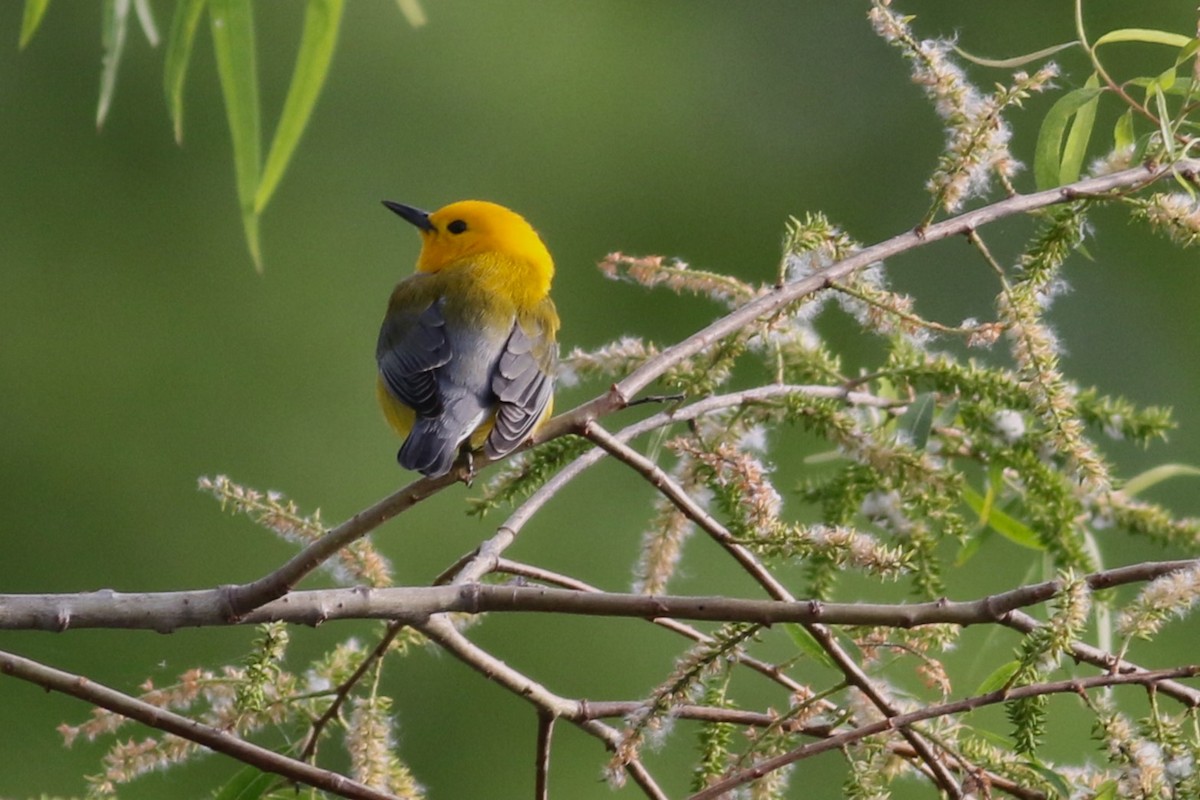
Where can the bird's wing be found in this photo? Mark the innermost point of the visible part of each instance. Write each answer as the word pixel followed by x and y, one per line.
pixel 412 346
pixel 523 382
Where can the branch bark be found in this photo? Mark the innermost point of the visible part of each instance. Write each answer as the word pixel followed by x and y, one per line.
pixel 1071 685
pixel 166 612
pixel 214 739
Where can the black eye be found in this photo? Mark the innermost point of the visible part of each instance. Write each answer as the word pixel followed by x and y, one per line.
pixel 457 226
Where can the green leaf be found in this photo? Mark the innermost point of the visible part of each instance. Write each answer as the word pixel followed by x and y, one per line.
pixel 1002 676
pixel 1148 35
pixel 1182 87
pixel 1160 102
pixel 1046 163
pixel 1187 52
pixel 1105 791
pixel 1015 61
pixel 809 645
pixel 247 784
pixel 1051 776
pixel 1077 139
pixel 1144 480
pixel 1015 531
pixel 973 543
pixel 233 41
pixel 1123 131
pixel 34 11
pixel 322 18
pixel 112 36
pixel 179 53
pixel 1166 79
pixel 917 420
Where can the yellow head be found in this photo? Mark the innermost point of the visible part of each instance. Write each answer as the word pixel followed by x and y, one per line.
pixel 476 227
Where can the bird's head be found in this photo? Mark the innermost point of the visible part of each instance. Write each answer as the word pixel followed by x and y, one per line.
pixel 475 227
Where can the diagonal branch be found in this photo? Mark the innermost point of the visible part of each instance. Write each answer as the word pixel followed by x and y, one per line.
pixel 1020 621
pixel 440 630
pixel 767 305
pixel 1071 685
pixel 850 669
pixel 245 597
pixel 214 739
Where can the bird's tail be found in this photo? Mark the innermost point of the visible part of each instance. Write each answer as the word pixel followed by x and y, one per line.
pixel 429 449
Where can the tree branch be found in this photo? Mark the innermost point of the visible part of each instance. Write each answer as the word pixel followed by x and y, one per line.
pixel 440 630
pixel 1073 685
pixel 618 396
pixel 245 597
pixel 1020 621
pixel 214 739
pixel 853 673
pixel 166 612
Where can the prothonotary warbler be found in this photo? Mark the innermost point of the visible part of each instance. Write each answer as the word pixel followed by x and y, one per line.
pixel 468 347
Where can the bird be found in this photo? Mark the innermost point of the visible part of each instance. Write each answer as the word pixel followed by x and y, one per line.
pixel 468 347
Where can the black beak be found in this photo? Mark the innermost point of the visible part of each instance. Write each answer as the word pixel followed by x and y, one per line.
pixel 414 215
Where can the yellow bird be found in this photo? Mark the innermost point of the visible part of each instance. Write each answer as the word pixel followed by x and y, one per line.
pixel 468 348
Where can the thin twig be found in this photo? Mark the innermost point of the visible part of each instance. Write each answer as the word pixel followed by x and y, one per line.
pixel 690 508
pixel 214 739
pixel 1070 685
pixel 244 597
pixel 772 302
pixel 1020 621
pixel 768 670
pixel 343 691
pixel 440 630
pixel 542 763
pixel 747 560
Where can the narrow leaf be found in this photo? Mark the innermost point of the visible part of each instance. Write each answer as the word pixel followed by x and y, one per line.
pixel 1046 163
pixel 1181 87
pixel 322 18
pixel 1080 135
pixel 1144 480
pixel 1015 61
pixel 972 544
pixel 247 784
pixel 34 11
pixel 1160 102
pixel 1187 52
pixel 179 54
pixel 1052 776
pixel 1015 531
pixel 1148 35
pixel 1166 79
pixel 917 420
pixel 112 36
pixel 1000 678
pixel 233 41
pixel 809 645
pixel 146 19
pixel 1123 131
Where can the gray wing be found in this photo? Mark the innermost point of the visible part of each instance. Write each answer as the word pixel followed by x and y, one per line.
pixel 410 350
pixel 523 387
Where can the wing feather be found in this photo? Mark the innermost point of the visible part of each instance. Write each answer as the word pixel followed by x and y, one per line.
pixel 523 386
pixel 411 348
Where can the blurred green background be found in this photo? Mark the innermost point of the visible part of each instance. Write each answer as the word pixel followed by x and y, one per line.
pixel 139 349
